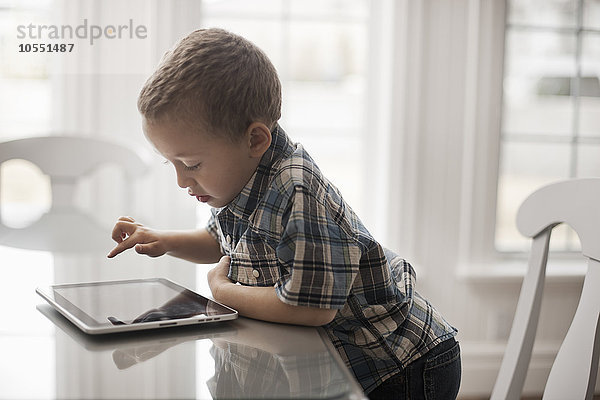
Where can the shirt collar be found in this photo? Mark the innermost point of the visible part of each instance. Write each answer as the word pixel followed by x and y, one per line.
pixel 244 204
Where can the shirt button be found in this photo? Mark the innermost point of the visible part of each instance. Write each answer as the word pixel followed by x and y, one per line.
pixel 228 239
pixel 255 273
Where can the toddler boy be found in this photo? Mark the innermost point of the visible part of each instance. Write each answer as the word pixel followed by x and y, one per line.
pixel 278 226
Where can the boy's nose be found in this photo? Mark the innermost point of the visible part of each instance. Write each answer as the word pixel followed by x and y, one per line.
pixel 183 181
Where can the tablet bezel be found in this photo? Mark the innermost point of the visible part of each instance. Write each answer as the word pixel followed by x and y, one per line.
pixel 90 326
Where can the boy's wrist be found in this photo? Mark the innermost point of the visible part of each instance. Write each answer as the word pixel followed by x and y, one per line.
pixel 169 242
pixel 217 291
pixel 178 243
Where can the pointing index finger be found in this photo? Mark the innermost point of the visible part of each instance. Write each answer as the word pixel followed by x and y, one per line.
pixel 121 247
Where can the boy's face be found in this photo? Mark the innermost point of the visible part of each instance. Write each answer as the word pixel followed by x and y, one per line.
pixel 212 169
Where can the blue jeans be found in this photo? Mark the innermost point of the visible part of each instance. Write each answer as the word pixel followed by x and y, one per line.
pixel 433 376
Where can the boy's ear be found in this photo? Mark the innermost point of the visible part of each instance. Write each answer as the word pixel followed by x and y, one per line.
pixel 259 139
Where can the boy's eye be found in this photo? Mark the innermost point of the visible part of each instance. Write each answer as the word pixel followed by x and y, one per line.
pixel 193 167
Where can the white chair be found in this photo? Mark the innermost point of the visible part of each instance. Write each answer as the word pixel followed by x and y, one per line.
pixel 573 375
pixel 66 159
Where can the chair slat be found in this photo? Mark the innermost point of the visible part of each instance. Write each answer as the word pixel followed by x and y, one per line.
pixel 514 366
pixel 573 374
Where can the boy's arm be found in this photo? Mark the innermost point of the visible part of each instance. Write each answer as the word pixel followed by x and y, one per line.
pixel 262 302
pixel 197 246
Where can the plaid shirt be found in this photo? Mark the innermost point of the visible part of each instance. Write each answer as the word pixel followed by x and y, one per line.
pixel 290 228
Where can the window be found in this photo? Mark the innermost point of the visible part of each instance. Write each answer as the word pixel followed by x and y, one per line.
pixel 551 107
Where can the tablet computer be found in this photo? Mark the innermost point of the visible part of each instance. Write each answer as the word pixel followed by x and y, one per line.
pixel 130 305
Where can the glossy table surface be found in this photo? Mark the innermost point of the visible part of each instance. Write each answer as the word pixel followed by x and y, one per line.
pixel 44 356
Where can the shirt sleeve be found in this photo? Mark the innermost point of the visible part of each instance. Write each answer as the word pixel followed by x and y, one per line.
pixel 318 252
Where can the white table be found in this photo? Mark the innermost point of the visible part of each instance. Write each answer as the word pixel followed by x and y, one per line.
pixel 44 356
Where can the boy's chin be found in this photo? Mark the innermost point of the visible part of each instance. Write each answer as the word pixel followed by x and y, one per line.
pixel 215 203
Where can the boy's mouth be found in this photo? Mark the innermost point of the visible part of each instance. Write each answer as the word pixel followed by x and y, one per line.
pixel 202 198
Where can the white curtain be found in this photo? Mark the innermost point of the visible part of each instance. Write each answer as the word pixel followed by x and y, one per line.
pixel 96 88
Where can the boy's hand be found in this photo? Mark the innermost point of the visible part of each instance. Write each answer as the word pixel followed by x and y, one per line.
pixel 218 275
pixel 128 233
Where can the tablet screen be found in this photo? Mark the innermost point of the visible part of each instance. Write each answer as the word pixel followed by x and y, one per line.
pixel 119 303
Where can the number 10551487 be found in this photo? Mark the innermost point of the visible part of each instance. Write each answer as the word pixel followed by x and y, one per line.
pixel 46 47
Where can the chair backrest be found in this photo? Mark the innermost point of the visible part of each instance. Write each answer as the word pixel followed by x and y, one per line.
pixel 66 159
pixel 575 202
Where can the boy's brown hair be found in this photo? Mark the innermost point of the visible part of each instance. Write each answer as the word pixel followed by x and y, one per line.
pixel 216 79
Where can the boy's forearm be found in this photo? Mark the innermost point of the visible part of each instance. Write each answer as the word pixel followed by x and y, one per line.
pixel 262 303
pixel 197 246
